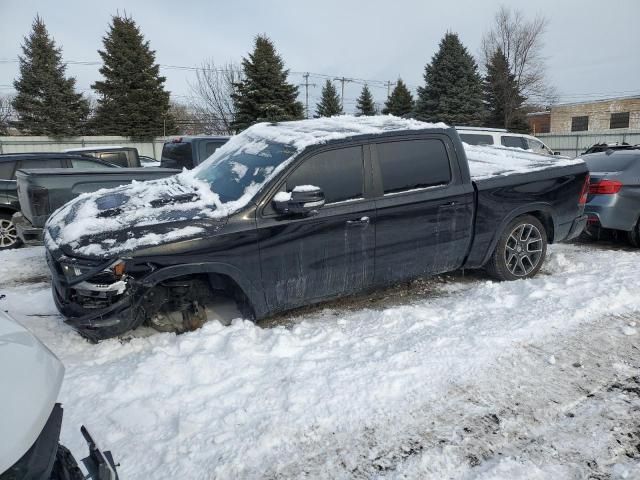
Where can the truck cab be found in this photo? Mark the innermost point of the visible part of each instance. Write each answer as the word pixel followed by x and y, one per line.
pixel 189 152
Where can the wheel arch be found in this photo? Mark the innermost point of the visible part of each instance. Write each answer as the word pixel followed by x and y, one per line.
pixel 219 275
pixel 541 211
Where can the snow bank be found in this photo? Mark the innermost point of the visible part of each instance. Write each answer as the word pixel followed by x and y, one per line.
pixel 487 161
pixel 334 393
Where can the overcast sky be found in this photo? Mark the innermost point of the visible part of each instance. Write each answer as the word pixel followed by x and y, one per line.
pixel 592 47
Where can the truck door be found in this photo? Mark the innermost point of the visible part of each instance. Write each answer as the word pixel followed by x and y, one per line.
pixel 327 254
pixel 424 209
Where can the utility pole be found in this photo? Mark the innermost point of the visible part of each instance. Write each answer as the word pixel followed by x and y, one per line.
pixel 306 86
pixel 342 80
pixel 388 83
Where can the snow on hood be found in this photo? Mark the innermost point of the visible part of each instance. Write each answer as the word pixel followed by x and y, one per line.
pixel 95 224
pixel 488 161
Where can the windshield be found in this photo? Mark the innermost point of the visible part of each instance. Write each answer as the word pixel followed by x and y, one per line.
pixel 249 165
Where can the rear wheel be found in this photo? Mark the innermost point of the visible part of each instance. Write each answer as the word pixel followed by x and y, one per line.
pixel 65 466
pixel 520 251
pixel 8 233
pixel 634 235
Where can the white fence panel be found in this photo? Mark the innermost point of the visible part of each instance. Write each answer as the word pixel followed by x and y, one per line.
pixel 573 144
pixel 25 144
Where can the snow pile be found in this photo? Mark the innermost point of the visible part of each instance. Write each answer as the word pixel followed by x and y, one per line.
pixel 355 393
pixel 487 161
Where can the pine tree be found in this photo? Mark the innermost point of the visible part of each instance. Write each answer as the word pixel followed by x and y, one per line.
pixel 453 87
pixel 330 103
pixel 132 100
pixel 46 102
pixel 264 93
pixel 364 104
pixel 400 102
pixel 502 99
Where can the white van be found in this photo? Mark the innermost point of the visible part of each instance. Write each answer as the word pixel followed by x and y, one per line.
pixel 502 137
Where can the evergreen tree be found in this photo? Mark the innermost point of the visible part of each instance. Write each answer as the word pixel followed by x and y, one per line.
pixel 132 100
pixel 502 99
pixel 364 104
pixel 453 87
pixel 46 102
pixel 400 102
pixel 264 93
pixel 330 103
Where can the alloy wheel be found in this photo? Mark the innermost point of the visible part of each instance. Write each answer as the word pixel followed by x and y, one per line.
pixel 8 234
pixel 523 250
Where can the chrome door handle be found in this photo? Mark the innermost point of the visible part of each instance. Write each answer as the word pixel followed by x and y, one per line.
pixel 361 221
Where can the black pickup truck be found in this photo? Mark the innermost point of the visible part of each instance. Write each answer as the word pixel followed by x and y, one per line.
pixel 42 191
pixel 292 213
pixel 189 152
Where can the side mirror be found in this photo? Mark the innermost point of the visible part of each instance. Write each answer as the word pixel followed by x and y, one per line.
pixel 303 200
pixel 557 153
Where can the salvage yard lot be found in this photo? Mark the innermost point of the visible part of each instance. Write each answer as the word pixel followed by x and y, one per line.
pixel 467 379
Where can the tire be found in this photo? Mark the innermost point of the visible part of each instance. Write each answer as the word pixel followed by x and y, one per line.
pixel 520 251
pixel 8 233
pixel 634 235
pixel 65 466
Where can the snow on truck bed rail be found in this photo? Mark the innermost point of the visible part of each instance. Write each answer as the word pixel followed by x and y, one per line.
pixel 488 161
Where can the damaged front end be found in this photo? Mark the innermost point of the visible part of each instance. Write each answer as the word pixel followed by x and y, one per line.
pixel 106 299
pixel 95 297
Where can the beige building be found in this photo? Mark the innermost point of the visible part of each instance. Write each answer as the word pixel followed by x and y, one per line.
pixel 615 115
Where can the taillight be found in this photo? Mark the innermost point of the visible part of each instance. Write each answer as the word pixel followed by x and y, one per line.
pixel 585 190
pixel 39 199
pixel 605 187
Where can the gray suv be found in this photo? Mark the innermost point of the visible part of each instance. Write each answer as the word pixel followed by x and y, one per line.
pixel 614 192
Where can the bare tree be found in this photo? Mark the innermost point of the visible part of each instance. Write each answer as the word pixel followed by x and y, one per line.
pixel 211 100
pixel 6 113
pixel 521 40
pixel 186 121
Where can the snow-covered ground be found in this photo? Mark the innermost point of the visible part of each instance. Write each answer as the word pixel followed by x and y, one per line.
pixel 468 379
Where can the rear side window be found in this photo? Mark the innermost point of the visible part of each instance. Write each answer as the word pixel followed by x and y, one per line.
pixel 40 163
pixel 177 155
pixel 411 164
pixel 476 139
pixel 513 141
pixel 207 149
pixel 7 170
pixel 117 158
pixel 339 173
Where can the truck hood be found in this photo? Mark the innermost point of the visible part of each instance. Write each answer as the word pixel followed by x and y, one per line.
pixel 31 377
pixel 115 221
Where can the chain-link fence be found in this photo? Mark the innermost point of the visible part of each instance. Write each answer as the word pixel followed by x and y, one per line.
pixel 573 144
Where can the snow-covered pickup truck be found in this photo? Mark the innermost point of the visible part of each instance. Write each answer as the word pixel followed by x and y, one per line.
pixel 288 214
pixel 42 191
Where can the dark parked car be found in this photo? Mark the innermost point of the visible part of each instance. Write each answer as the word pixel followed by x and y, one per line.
pixel 121 156
pixel 12 162
pixel 189 152
pixel 614 193
pixel 42 191
pixel 603 147
pixel 343 205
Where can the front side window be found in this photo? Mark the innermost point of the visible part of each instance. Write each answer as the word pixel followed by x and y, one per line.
pixel 117 158
pixel 86 164
pixel 476 139
pixel 339 173
pixel 513 141
pixel 411 164
pixel 538 147
pixel 40 163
